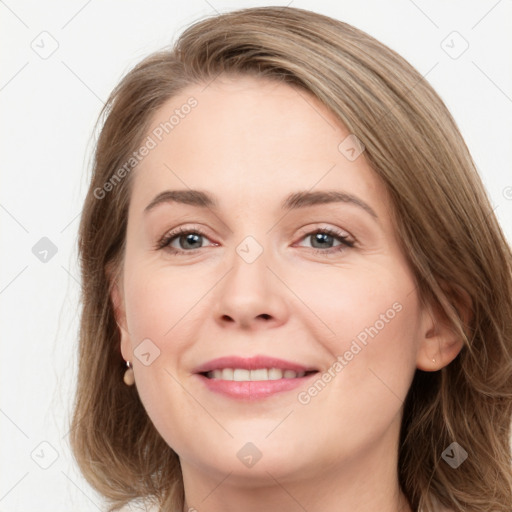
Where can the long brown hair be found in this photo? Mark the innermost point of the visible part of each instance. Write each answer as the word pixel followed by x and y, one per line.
pixel 445 224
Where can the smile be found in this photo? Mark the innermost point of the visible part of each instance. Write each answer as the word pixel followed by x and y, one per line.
pixel 252 378
pixel 259 374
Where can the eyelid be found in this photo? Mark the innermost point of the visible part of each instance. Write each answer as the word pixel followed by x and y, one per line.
pixel 345 238
pixel 164 241
pixel 324 227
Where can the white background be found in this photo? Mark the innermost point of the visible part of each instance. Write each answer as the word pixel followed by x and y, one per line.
pixel 49 106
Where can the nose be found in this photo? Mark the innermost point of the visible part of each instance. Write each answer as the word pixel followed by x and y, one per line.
pixel 251 296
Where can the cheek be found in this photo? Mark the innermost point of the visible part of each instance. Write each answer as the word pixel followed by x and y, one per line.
pixel 374 316
pixel 159 308
pixel 159 302
pixel 349 299
pixel 369 317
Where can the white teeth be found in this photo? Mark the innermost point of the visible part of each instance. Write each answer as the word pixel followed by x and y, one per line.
pixel 226 374
pixel 240 374
pixel 275 373
pixel 261 374
pixel 243 375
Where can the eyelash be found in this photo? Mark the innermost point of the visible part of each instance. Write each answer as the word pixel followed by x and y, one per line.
pixel 164 242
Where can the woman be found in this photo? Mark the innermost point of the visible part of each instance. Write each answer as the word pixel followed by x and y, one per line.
pixel 338 334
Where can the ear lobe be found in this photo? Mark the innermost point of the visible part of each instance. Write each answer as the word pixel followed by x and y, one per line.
pixel 441 343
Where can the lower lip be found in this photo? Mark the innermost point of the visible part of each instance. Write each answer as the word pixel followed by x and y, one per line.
pixel 253 390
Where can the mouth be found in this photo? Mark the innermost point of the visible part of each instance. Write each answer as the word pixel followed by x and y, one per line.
pixel 252 378
pixel 259 374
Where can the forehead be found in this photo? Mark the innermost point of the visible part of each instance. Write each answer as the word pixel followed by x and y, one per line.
pixel 241 137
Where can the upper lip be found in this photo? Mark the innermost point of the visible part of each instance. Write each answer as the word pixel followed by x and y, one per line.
pixel 251 363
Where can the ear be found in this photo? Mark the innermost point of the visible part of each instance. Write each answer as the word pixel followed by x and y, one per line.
pixel 118 304
pixel 439 341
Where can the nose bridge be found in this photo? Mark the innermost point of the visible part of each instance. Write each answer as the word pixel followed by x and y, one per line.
pixel 250 292
pixel 249 274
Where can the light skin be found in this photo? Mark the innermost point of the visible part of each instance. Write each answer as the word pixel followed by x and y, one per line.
pixel 251 143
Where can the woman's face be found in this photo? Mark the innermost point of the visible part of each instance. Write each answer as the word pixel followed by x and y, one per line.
pixel 253 276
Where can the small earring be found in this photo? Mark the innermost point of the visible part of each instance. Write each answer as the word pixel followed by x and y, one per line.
pixel 433 360
pixel 129 377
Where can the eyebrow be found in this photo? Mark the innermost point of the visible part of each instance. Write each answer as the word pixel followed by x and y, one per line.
pixel 294 201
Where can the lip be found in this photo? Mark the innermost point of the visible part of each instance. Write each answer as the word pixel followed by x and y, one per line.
pixel 251 363
pixel 252 390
